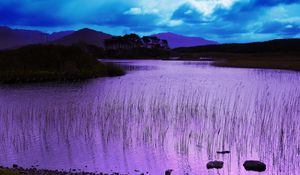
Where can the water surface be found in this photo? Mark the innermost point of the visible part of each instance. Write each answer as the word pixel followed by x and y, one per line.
pixel 161 115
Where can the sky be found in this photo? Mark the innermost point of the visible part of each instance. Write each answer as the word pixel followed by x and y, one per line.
pixel 225 21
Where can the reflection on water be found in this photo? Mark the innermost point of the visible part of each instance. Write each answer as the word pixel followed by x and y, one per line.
pixel 175 116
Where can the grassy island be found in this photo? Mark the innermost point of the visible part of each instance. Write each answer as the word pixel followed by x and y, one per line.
pixel 39 63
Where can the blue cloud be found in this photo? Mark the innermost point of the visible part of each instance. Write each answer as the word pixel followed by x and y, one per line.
pixel 141 22
pixel 188 14
pixel 53 13
pixel 273 2
pixel 33 13
pixel 242 21
pixel 271 27
pixel 284 29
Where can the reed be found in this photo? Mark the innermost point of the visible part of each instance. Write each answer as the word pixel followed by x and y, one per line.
pixel 186 120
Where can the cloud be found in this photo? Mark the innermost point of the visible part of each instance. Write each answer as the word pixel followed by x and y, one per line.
pixel 273 2
pixel 283 29
pixel 134 11
pixel 207 7
pixel 222 20
pixel 36 14
pixel 190 14
pixel 140 11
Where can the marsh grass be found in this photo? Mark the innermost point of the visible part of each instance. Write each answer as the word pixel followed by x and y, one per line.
pixel 260 122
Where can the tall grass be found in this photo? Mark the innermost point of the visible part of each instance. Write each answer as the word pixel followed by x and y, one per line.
pixel 107 122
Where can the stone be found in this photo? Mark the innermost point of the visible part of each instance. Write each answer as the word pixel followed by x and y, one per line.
pixel 215 165
pixel 168 172
pixel 254 165
pixel 223 152
pixel 15 166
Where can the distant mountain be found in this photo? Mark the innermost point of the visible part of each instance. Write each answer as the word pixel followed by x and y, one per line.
pixel 85 35
pixel 12 38
pixel 176 40
pixel 58 35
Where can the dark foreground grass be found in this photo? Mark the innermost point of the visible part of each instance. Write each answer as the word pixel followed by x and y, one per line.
pixel 41 63
pixel 8 172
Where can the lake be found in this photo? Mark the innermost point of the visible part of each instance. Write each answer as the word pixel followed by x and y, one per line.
pixel 161 115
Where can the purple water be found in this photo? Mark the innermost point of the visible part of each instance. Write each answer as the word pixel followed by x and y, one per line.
pixel 160 115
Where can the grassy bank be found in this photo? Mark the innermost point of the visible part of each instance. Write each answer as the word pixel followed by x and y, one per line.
pixel 276 54
pixel 39 63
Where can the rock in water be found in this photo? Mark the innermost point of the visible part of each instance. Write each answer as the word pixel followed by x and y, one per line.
pixel 214 164
pixel 254 165
pixel 223 152
pixel 168 172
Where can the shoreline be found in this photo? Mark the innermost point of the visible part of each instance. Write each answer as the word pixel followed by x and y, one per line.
pixel 17 170
pixel 274 61
pixel 34 170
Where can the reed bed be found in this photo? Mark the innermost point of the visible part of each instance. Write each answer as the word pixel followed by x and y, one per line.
pixel 157 124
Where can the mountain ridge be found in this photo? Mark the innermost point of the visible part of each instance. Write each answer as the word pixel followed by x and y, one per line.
pixel 176 40
pixel 84 35
pixel 13 38
pixel 58 35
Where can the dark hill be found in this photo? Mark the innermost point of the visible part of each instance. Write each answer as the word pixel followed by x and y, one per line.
pixel 12 38
pixel 58 35
pixel 176 40
pixel 85 35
